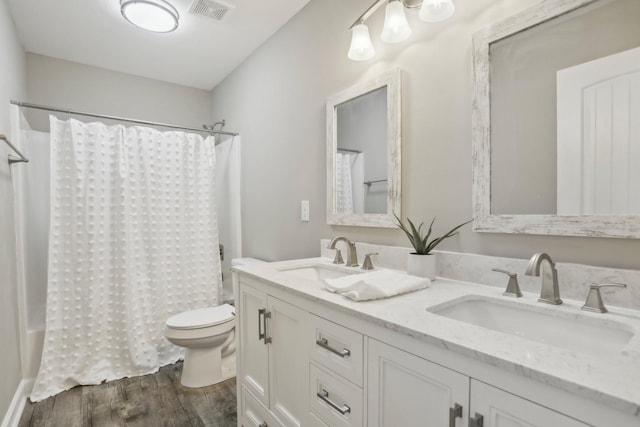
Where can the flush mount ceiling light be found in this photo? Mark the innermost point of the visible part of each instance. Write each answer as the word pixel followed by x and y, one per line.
pixel 396 28
pixel 151 15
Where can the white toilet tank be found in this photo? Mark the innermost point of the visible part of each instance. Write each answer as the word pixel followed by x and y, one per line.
pixel 246 261
pixel 243 261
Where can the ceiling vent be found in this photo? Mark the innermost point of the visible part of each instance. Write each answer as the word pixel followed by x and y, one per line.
pixel 211 9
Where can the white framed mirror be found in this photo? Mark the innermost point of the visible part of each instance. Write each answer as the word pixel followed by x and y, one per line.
pixel 364 154
pixel 556 121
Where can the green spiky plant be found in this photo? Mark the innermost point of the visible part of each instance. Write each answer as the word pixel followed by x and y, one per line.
pixel 420 242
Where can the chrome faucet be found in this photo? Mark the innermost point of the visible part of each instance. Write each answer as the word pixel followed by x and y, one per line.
pixel 549 292
pixel 352 255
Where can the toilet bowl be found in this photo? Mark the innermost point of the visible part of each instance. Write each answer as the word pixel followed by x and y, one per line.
pixel 208 335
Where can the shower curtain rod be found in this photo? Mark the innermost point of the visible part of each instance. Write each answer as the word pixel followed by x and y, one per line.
pixel 120 119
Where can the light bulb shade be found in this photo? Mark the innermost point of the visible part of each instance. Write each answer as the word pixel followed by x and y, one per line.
pixel 152 15
pixel 436 10
pixel 361 48
pixel 396 28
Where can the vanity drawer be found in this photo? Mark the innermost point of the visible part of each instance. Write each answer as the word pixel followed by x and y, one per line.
pixel 333 400
pixel 254 414
pixel 314 421
pixel 337 348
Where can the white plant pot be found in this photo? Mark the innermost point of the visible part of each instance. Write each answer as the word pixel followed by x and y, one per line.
pixel 422 265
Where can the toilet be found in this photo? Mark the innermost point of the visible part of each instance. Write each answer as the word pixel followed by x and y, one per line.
pixel 208 335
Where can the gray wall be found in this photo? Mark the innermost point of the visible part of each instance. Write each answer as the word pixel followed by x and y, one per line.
pixel 11 86
pixel 276 100
pixel 81 87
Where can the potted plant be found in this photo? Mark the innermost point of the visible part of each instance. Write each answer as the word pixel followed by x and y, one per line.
pixel 422 262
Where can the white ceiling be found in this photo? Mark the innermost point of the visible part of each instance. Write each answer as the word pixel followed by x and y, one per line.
pixel 200 53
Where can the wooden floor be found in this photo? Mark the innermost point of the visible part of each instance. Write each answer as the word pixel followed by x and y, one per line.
pixel 149 401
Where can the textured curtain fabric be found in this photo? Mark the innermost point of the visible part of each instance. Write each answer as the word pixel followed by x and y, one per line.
pixel 344 193
pixel 133 240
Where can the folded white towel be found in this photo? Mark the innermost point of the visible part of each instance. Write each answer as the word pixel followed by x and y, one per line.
pixel 375 285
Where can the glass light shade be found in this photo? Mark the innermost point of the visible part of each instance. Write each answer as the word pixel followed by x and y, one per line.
pixel 436 10
pixel 361 48
pixel 396 28
pixel 152 15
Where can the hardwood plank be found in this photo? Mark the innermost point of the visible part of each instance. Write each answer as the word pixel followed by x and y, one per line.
pixel 157 400
pixel 97 402
pixel 67 409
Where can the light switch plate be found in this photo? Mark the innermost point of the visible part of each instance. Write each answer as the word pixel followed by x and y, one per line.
pixel 304 210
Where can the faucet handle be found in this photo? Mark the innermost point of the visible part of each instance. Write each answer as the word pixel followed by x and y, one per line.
pixel 513 290
pixel 338 259
pixel 368 264
pixel 594 297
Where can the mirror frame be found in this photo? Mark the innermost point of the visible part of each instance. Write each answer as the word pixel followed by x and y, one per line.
pixel 620 226
pixel 392 80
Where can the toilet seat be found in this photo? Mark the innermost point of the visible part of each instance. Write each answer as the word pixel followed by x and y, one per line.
pixel 202 317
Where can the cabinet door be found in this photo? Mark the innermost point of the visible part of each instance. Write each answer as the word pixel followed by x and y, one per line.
pixel 501 409
pixel 406 390
pixel 288 362
pixel 253 366
pixel 253 414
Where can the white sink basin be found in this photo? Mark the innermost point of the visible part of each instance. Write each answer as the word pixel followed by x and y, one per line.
pixel 320 272
pixel 570 331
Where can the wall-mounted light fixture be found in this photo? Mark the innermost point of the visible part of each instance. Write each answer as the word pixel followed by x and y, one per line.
pixel 396 28
pixel 158 16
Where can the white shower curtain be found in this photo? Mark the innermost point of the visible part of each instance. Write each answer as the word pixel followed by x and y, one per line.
pixel 344 192
pixel 133 240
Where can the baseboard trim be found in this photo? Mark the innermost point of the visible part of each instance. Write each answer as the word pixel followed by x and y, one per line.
pixel 12 417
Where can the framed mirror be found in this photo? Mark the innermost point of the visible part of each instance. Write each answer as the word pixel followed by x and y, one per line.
pixel 556 121
pixel 363 153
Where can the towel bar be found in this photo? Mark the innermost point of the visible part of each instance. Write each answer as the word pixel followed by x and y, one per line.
pixel 14 159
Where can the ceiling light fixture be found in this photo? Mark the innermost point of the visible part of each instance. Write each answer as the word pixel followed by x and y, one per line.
pixel 158 16
pixel 436 10
pixel 396 28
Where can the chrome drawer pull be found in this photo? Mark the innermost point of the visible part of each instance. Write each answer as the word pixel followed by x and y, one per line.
pixel 324 395
pixel 322 342
pixel 476 421
pixel 261 312
pixel 262 326
pixel 455 412
pixel 267 315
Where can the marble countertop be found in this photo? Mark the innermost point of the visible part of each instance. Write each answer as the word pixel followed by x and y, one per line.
pixel 613 380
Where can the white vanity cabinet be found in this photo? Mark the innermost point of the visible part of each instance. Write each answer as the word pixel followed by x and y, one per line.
pixel 405 390
pixel 303 363
pixel 273 359
pixel 492 407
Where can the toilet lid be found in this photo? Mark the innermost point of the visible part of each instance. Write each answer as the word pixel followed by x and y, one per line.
pixel 202 317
